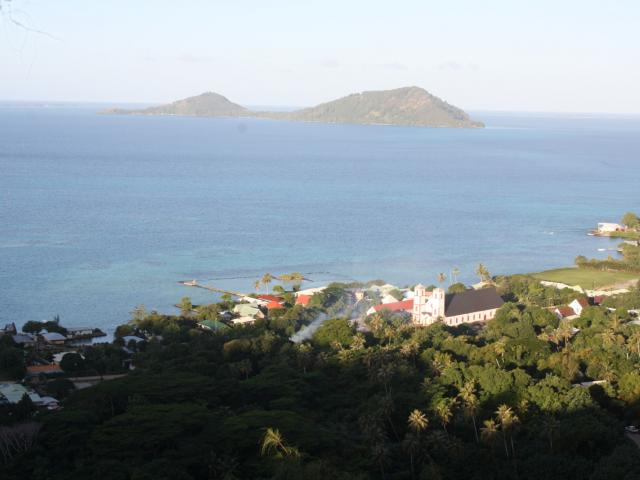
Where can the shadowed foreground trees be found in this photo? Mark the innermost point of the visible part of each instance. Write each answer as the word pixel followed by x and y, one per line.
pixel 395 402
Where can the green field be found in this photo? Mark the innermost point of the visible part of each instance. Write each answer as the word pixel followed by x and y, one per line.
pixel 586 278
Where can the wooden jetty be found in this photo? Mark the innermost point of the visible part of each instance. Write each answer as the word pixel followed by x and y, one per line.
pixel 193 283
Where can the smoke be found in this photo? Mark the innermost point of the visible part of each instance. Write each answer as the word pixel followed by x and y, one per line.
pixel 355 311
pixel 305 333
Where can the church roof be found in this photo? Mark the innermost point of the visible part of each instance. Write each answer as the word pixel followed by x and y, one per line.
pixel 471 301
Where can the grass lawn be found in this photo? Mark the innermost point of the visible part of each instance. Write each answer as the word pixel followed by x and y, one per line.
pixel 586 278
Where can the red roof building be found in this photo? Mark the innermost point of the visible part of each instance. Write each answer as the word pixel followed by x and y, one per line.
pixel 402 306
pixel 274 305
pixel 303 300
pixel 270 298
pixel 564 312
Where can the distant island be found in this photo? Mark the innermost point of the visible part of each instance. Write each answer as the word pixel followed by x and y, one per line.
pixel 408 106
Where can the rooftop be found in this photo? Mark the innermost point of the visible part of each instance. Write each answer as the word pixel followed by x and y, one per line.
pixel 471 301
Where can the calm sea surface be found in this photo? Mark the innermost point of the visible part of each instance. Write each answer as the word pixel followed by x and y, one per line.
pixel 101 213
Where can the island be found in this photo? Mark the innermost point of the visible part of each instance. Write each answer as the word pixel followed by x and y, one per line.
pixel 407 106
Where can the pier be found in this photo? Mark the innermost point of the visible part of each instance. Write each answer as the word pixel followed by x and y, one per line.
pixel 193 283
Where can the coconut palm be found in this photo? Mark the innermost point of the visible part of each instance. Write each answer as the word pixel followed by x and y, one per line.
pixel 442 278
pixel 444 412
pixel 483 273
pixel 417 421
pixel 256 285
pixel 508 421
pixel 500 348
pixel 267 278
pixel 634 342
pixel 489 433
pixel 454 274
pixel 471 403
pixel 273 444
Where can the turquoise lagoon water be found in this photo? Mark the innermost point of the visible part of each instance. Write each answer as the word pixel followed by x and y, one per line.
pixel 101 213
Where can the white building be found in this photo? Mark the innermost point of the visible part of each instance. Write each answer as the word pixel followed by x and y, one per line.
pixel 454 308
pixel 605 227
pixel 578 305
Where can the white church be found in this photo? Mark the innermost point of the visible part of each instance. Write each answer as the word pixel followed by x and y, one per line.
pixel 454 308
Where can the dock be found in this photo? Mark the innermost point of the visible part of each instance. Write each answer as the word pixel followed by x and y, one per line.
pixel 194 283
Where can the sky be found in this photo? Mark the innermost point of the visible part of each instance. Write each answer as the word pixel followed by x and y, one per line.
pixel 512 55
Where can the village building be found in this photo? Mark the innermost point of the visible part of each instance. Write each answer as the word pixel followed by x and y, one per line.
pixel 243 321
pixel 213 325
pixel 248 310
pixel 302 299
pixel 53 338
pixel 50 369
pixel 606 227
pixel 79 332
pixel 405 306
pixel 273 305
pixel 13 393
pixel 454 308
pixel 24 339
pixel 564 312
pixel 9 329
pixel 578 305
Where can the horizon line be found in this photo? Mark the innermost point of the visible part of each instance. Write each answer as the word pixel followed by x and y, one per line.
pixel 4 102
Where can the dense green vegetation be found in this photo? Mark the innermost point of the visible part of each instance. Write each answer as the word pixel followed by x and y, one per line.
pixel 397 402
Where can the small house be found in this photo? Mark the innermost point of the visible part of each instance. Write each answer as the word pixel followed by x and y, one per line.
pixel 248 310
pixel 213 325
pixel 53 338
pixel 79 332
pixel 606 227
pixel 9 329
pixel 243 321
pixel 24 339
pixel 564 312
pixel 303 300
pixel 578 305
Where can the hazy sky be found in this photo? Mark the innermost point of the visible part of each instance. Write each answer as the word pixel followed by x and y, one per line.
pixel 555 55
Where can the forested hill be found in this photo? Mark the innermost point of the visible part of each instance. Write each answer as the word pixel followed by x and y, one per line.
pixel 208 104
pixel 409 106
pixel 396 402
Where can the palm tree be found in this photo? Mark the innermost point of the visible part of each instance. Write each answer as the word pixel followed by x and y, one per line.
pixel 256 285
pixel 608 337
pixel 454 274
pixel 267 278
pixel 442 278
pixel 483 273
pixel 489 433
pixel 500 348
pixel 634 341
pixel 296 279
pixel 444 412
pixel 273 444
pixel 471 403
pixel 417 421
pixel 508 421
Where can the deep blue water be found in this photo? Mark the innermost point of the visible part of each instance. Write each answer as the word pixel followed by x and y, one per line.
pixel 100 213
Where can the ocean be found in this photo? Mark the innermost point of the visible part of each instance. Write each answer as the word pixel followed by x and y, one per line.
pixel 101 213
